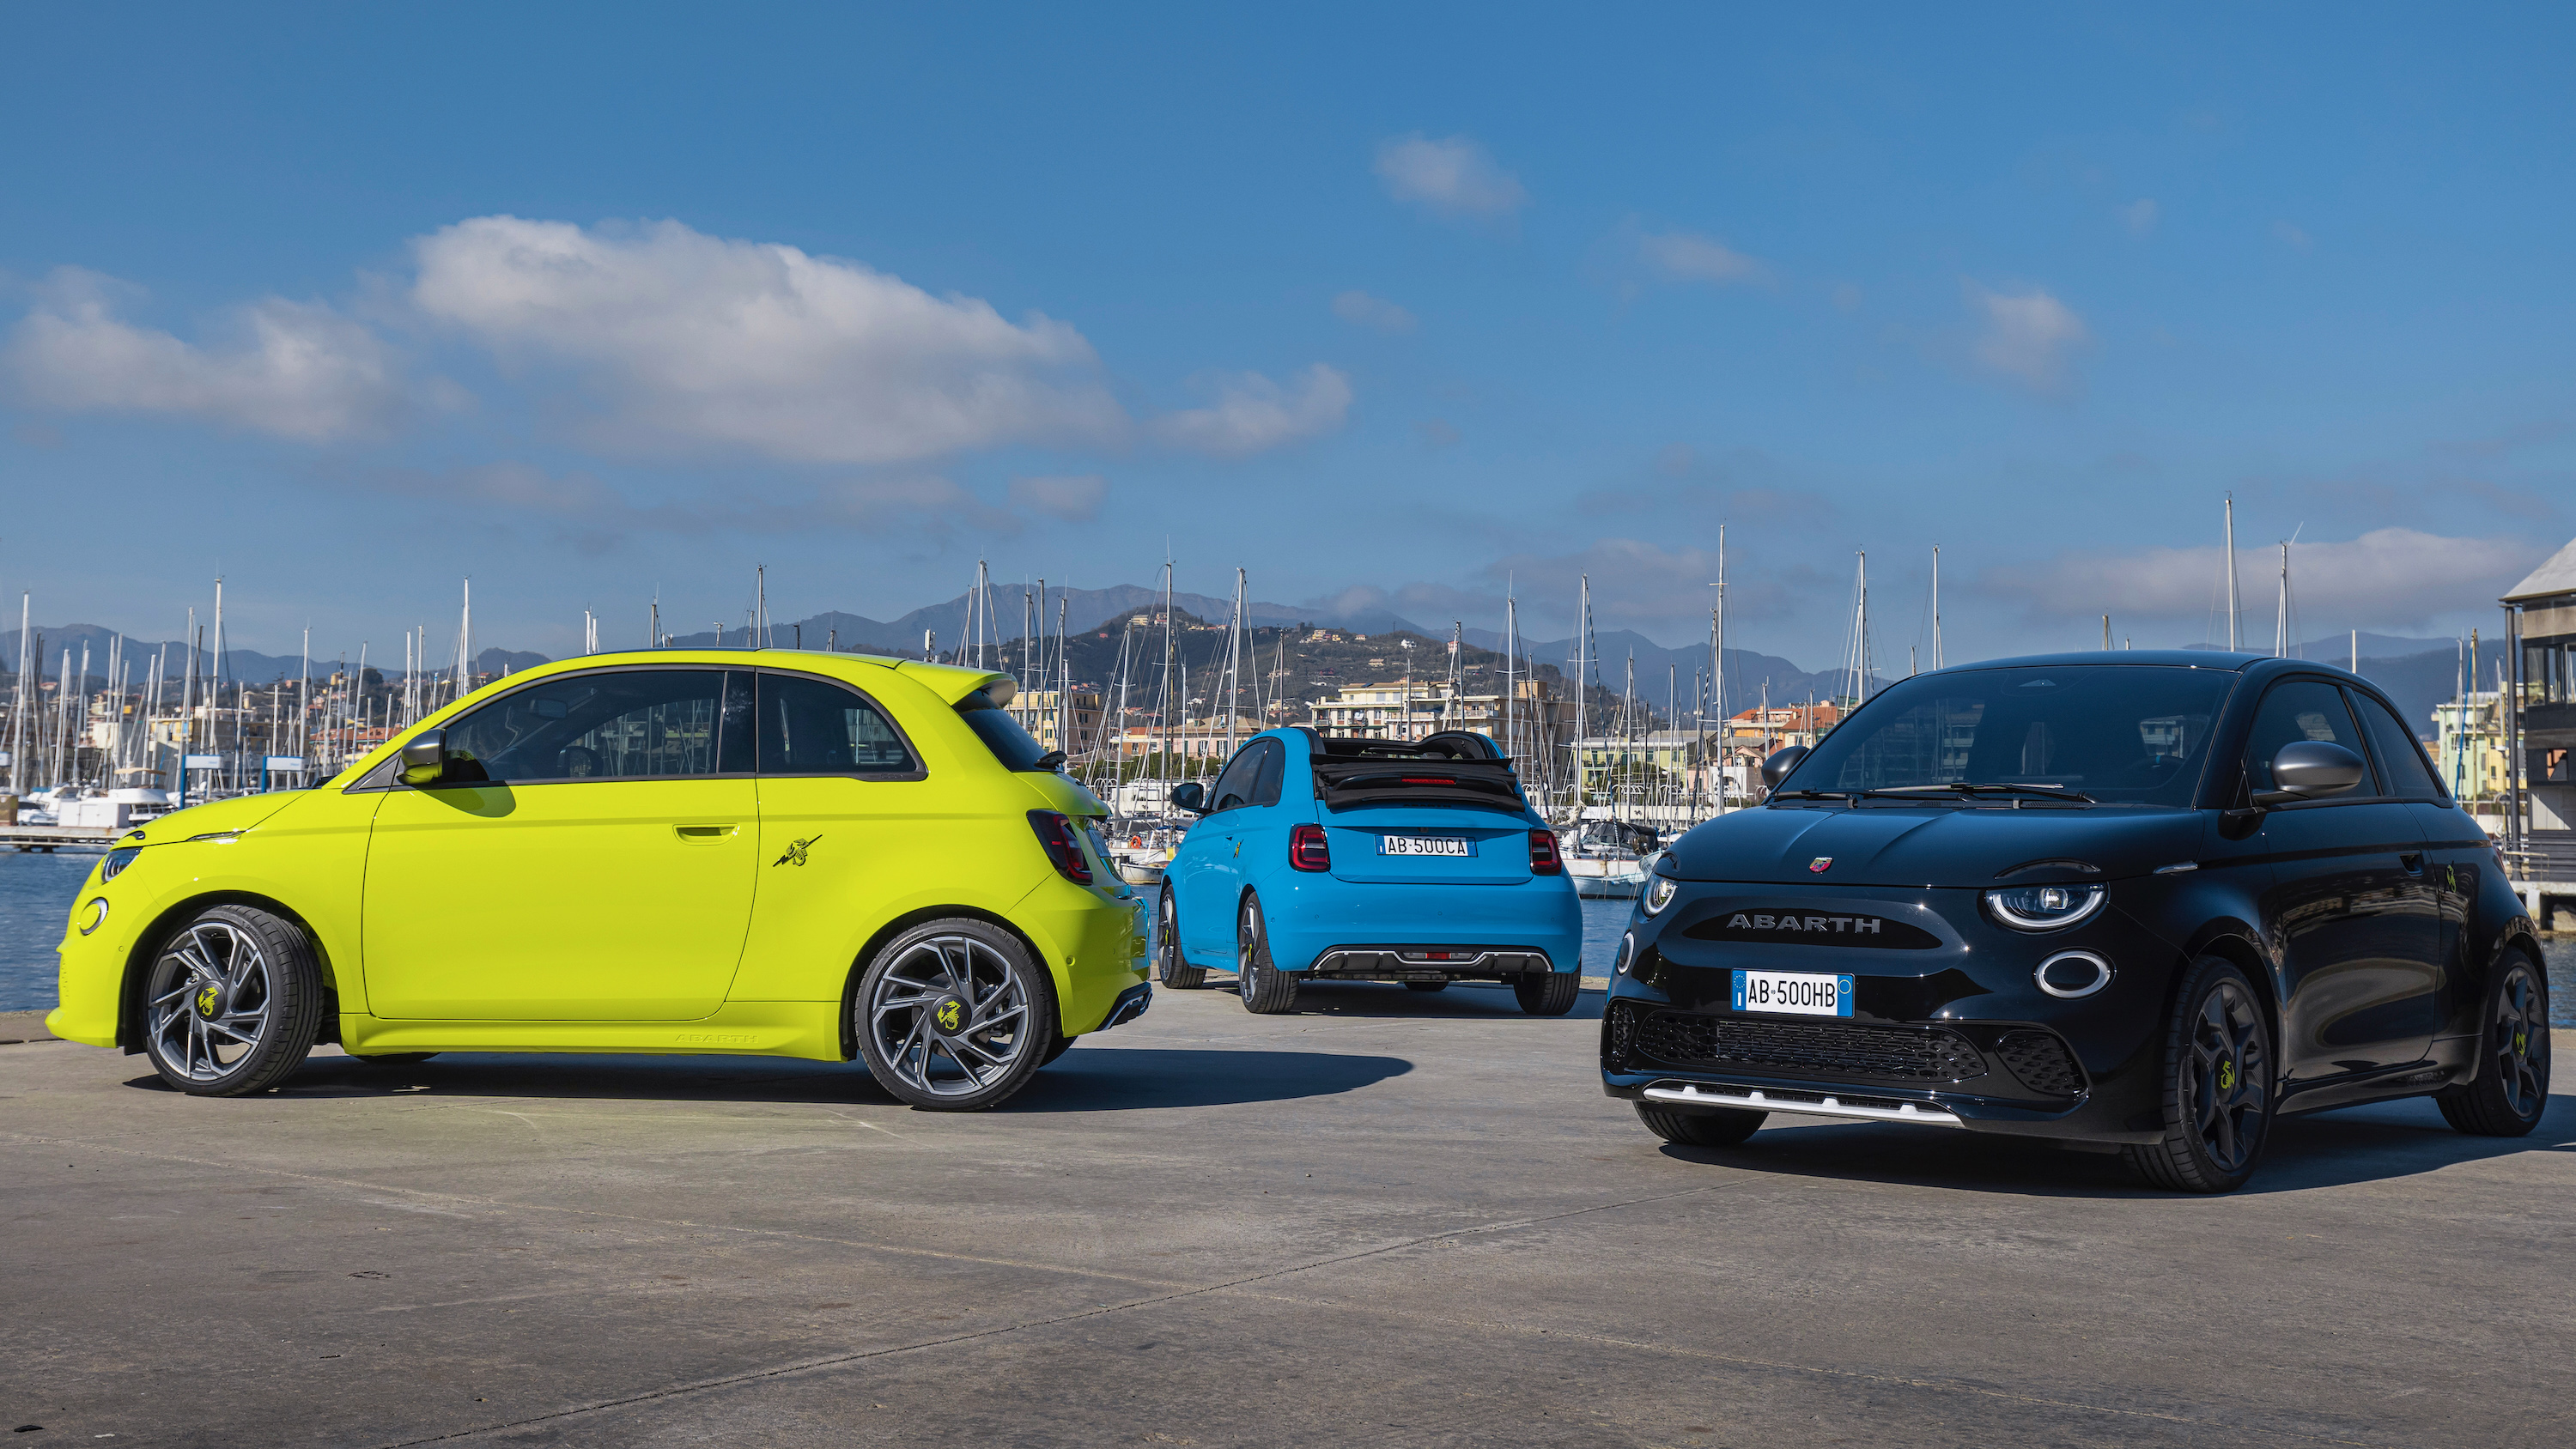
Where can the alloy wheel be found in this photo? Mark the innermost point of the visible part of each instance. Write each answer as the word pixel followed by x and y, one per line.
pixel 949 1016
pixel 2520 1043
pixel 212 999
pixel 2229 1077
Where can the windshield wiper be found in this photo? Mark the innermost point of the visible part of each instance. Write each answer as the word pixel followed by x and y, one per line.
pixel 2043 791
pixel 1853 796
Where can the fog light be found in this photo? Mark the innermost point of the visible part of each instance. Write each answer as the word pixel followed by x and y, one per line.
pixel 2070 975
pixel 93 915
pixel 1627 952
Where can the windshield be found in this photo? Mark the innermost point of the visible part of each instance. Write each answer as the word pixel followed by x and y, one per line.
pixel 2125 733
pixel 1000 733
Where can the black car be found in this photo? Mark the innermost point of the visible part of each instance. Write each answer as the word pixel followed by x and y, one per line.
pixel 2140 899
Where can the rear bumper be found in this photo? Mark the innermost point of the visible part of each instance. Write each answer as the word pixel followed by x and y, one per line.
pixel 1308 919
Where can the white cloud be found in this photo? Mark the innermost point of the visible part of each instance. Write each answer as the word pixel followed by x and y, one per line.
pixel 2031 337
pixel 1454 177
pixel 1362 310
pixel 686 340
pixel 1690 257
pixel 1075 499
pixel 2139 216
pixel 2387 578
pixel 293 369
pixel 1252 413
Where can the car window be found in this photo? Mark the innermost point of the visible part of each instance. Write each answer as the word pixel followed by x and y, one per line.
pixel 2299 709
pixel 1274 763
pixel 2115 732
pixel 1015 747
pixel 1234 788
pixel 617 724
pixel 812 726
pixel 2401 760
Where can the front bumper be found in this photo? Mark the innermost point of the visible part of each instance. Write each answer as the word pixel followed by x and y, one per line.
pixel 1950 1030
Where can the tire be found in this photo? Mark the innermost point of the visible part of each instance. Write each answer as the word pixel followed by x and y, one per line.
pixel 1171 965
pixel 1266 989
pixel 2511 1089
pixel 1548 993
pixel 1704 1127
pixel 1426 986
pixel 233 979
pixel 392 1059
pixel 2217 1085
pixel 954 1016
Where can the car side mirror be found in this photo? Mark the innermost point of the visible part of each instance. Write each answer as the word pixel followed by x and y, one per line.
pixel 1191 796
pixel 1777 768
pixel 424 757
pixel 2311 770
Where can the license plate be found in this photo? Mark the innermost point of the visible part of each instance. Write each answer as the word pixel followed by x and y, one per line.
pixel 1425 845
pixel 1793 993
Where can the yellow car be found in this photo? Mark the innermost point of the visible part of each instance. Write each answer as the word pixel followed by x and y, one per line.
pixel 771 852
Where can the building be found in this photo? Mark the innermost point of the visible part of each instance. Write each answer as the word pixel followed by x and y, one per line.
pixel 1410 710
pixel 2540 721
pixel 1042 713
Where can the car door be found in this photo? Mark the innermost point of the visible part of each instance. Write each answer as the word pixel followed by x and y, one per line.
pixel 588 857
pixel 848 825
pixel 1206 863
pixel 2346 913
pixel 1254 835
pixel 2456 852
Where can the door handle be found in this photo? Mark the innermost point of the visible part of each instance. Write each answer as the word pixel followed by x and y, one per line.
pixel 704 834
pixel 2413 861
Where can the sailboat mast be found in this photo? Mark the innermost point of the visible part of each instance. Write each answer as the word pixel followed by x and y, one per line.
pixel 1936 606
pixel 2235 611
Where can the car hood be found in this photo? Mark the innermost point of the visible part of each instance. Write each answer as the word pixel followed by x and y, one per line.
pixel 1942 845
pixel 215 817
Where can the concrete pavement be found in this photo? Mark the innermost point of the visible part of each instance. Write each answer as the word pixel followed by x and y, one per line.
pixel 1393 1218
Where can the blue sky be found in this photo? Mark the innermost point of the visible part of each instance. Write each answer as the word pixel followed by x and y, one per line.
pixel 1407 303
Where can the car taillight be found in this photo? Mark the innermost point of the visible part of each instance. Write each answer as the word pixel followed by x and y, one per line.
pixel 1308 850
pixel 1064 848
pixel 1543 857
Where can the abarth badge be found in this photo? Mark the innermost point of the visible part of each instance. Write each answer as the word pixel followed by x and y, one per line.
pixel 951 1014
pixel 1820 863
pixel 795 852
pixel 207 996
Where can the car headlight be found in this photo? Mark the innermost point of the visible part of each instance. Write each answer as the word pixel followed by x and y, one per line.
pixel 116 862
pixel 1660 890
pixel 2045 907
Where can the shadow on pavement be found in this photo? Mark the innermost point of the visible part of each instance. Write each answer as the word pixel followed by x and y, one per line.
pixel 1095 1081
pixel 1379 999
pixel 2375 1143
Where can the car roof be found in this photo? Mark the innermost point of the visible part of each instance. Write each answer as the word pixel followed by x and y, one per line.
pixel 949 682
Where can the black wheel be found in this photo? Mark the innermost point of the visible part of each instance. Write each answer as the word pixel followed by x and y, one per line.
pixel 2217 1085
pixel 1548 993
pixel 953 1016
pixel 1266 989
pixel 1170 964
pixel 392 1059
pixel 233 1003
pixel 1426 986
pixel 2511 1089
pixel 1062 1045
pixel 1700 1126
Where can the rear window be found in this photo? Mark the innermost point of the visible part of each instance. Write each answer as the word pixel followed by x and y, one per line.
pixel 1010 744
pixel 1450 768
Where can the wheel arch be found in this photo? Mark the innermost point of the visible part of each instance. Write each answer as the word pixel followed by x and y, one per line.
pixel 147 945
pixel 905 922
pixel 2234 942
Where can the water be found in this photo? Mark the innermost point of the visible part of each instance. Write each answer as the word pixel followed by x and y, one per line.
pixel 36 893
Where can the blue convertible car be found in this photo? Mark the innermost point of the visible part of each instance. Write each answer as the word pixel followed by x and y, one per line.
pixel 1330 859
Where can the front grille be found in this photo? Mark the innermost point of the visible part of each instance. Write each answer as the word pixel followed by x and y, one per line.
pixel 1861 1051
pixel 1618 1035
pixel 2042 1062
